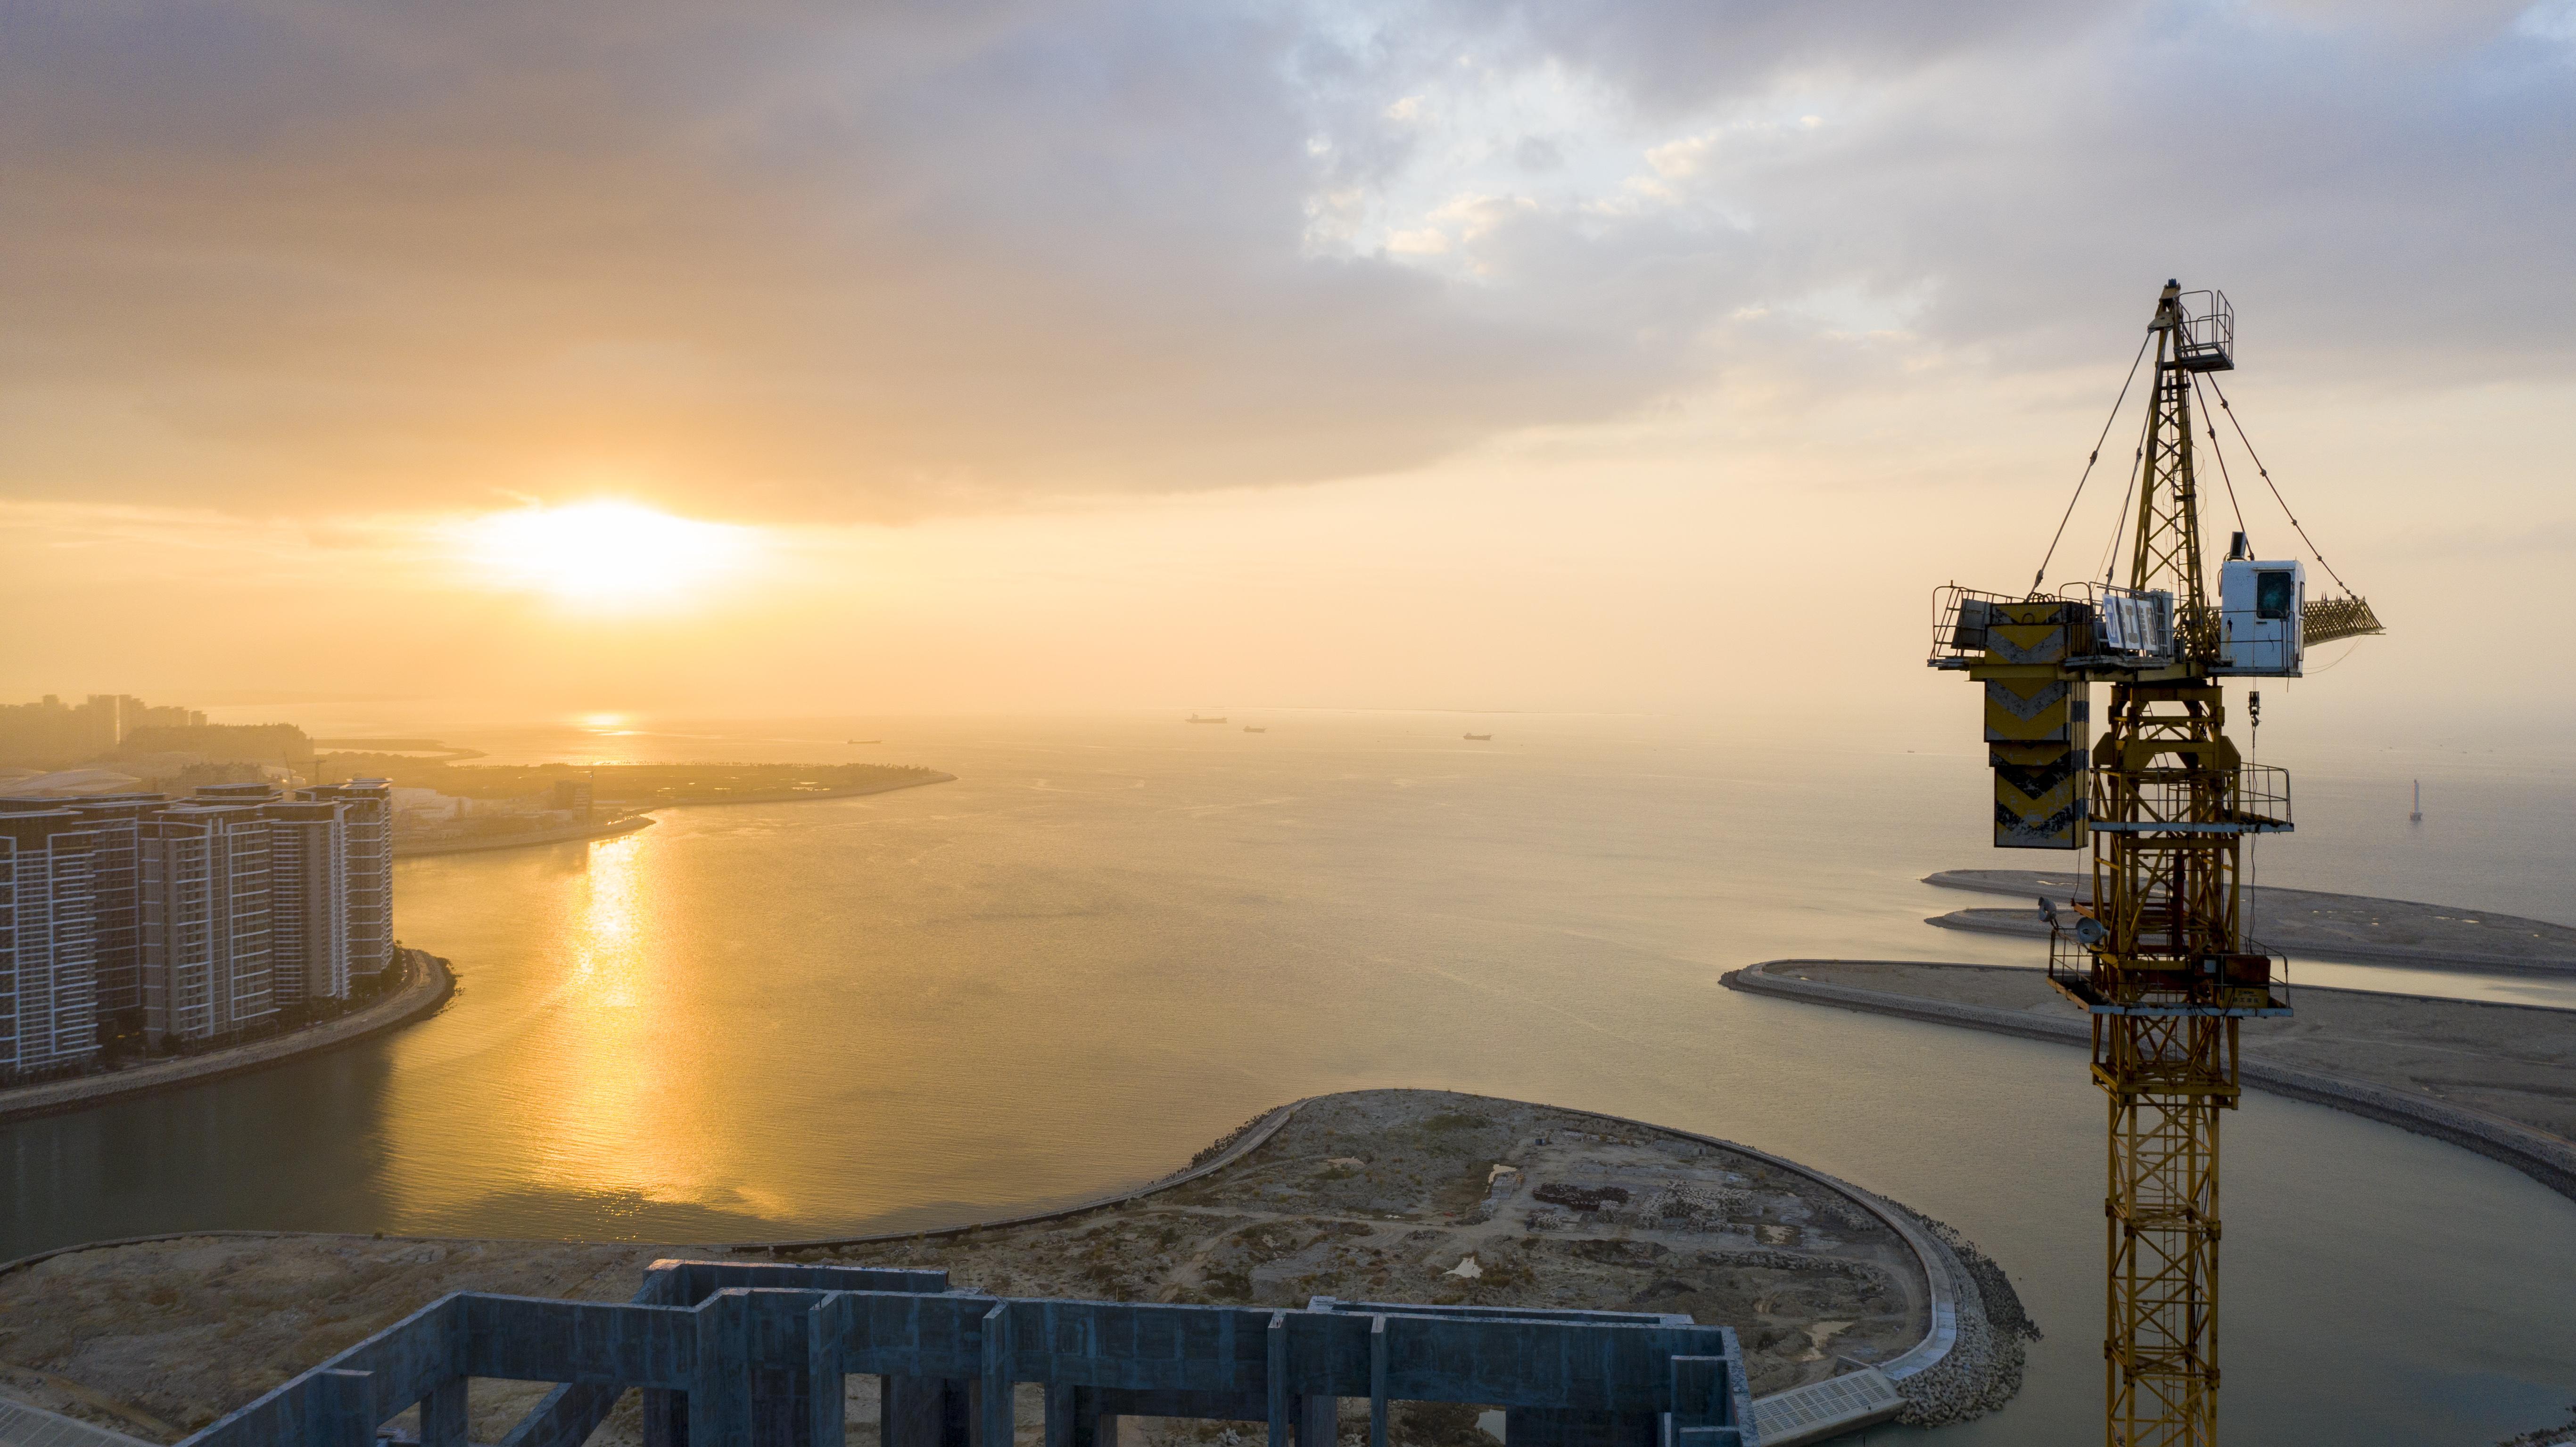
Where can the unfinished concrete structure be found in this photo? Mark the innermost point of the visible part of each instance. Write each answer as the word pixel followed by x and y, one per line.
pixel 757 1354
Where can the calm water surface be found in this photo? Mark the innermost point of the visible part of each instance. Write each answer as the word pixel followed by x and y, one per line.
pixel 1109 942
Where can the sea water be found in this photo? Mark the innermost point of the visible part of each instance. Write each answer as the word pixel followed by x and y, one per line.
pixel 1111 940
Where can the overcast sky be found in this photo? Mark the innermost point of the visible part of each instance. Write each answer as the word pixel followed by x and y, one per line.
pixel 1085 355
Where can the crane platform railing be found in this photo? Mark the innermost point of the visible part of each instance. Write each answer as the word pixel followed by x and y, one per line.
pixel 2205 341
pixel 2107 628
pixel 2252 983
pixel 1960 618
pixel 2255 799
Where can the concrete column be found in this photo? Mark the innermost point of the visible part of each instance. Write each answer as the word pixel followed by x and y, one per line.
pixel 928 1411
pixel 827 1422
pixel 1318 1421
pixel 1074 1418
pixel 1377 1381
pixel 995 1428
pixel 666 1417
pixel 719 1406
pixel 442 1415
pixel 1276 1384
pixel 342 1409
pixel 909 1411
pixel 780 1406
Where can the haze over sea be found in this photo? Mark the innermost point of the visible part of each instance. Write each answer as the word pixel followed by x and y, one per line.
pixel 1112 939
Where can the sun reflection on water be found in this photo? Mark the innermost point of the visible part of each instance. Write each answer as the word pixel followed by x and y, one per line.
pixel 604 1126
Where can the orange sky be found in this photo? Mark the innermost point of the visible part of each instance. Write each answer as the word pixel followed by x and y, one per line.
pixel 1648 357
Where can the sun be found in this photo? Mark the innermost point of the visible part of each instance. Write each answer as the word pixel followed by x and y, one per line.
pixel 606 554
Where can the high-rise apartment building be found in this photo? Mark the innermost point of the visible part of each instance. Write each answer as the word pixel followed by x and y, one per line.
pixel 116 884
pixel 368 818
pixel 308 909
pixel 48 994
pixel 186 921
pixel 207 951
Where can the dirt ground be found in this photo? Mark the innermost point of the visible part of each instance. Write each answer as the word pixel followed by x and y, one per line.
pixel 1420 1196
pixel 2516 1061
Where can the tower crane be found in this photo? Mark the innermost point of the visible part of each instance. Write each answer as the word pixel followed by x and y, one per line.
pixel 2157 955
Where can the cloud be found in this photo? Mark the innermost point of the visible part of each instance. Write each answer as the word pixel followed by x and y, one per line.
pixel 792 260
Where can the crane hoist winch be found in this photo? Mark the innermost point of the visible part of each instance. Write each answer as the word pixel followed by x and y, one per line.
pixel 2156 953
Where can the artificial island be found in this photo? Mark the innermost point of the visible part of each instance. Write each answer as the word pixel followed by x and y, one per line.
pixel 1479 1231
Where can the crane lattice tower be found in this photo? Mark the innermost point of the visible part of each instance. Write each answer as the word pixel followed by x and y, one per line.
pixel 2156 954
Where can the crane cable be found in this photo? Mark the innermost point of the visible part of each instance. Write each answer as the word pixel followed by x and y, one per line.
pixel 2037 578
pixel 2212 427
pixel 2120 524
pixel 2313 550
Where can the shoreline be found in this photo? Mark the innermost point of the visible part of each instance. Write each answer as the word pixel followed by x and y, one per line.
pixel 2546 1158
pixel 567 834
pixel 431 984
pixel 795 796
pixel 633 822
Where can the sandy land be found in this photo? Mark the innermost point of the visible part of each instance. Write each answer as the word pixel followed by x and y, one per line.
pixel 1382 1195
pixel 2516 1061
pixel 429 848
pixel 2304 922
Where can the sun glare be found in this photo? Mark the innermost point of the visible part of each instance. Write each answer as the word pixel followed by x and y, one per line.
pixel 605 554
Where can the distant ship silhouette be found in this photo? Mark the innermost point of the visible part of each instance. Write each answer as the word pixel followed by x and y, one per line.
pixel 1247 728
pixel 1194 718
pixel 1480 738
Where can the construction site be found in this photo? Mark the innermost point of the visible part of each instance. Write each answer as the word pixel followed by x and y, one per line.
pixel 1829 1307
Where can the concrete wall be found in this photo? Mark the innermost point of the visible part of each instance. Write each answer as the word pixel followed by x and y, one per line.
pixel 757 1354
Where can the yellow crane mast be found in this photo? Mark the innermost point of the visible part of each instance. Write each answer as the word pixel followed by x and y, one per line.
pixel 2156 955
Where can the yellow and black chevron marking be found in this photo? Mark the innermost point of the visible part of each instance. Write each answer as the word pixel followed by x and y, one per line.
pixel 2029 633
pixel 2039 795
pixel 2032 710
